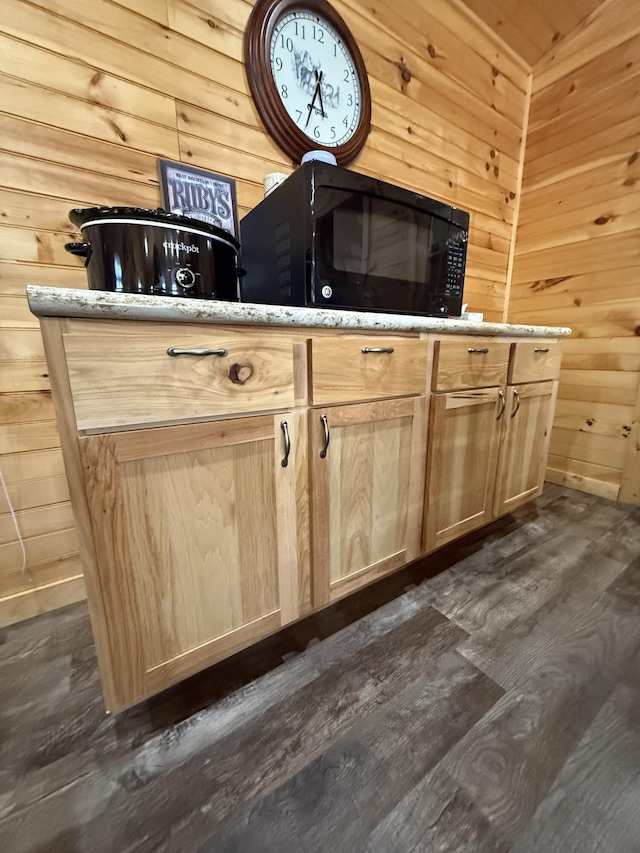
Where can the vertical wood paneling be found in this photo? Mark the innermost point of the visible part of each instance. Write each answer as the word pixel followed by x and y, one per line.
pixel 93 93
pixel 577 251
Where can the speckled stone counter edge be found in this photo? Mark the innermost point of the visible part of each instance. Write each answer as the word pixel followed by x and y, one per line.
pixel 105 305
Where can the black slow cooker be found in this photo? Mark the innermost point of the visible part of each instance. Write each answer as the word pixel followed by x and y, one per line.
pixel 132 250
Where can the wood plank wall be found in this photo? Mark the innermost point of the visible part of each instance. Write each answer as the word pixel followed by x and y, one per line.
pixel 93 93
pixel 578 245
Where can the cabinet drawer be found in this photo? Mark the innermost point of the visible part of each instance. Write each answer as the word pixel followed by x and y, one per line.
pixel 534 362
pixel 472 363
pixel 344 369
pixel 132 380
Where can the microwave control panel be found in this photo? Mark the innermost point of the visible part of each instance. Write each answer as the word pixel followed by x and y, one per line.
pixel 456 259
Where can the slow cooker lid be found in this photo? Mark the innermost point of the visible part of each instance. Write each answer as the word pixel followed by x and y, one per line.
pixel 81 215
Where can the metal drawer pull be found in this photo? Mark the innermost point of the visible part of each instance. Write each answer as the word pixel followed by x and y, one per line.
pixel 377 349
pixel 483 350
pixel 541 349
pixel 503 400
pixel 516 397
pixel 287 443
pixel 174 351
pixel 327 437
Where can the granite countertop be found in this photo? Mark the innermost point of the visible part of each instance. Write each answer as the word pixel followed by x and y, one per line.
pixel 105 305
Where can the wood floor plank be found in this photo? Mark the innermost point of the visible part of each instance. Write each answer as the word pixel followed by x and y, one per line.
pixel 593 804
pixel 366 771
pixel 436 814
pixel 510 759
pixel 627 584
pixel 482 700
pixel 122 799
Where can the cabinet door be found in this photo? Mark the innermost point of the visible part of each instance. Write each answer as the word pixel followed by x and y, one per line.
pixel 524 444
pixel 464 431
pixel 195 532
pixel 366 492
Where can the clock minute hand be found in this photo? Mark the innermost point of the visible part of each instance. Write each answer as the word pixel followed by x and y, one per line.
pixel 319 88
pixel 310 106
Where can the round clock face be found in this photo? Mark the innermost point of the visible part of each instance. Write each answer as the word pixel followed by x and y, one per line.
pixel 316 78
pixel 307 77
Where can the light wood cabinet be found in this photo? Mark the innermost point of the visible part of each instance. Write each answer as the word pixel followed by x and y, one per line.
pixel 487 446
pixel 367 466
pixel 195 534
pixel 470 363
pixel 464 435
pixel 526 430
pixel 535 362
pixel 220 496
pixel 162 372
pixel 365 368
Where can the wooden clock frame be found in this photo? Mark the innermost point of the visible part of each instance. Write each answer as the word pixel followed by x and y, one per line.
pixel 257 41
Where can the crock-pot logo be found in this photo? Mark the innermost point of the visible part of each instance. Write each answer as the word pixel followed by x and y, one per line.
pixel 182 247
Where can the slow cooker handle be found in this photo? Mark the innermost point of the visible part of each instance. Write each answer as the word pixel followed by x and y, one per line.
pixel 83 250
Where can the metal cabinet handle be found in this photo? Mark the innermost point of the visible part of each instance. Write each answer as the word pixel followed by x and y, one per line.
pixel 516 397
pixel 327 437
pixel 377 349
pixel 174 351
pixel 503 400
pixel 541 349
pixel 287 443
pixel 483 350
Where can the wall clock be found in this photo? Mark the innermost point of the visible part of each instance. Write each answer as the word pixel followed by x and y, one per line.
pixel 307 78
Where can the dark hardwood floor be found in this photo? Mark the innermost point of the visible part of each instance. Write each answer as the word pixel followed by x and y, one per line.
pixel 484 699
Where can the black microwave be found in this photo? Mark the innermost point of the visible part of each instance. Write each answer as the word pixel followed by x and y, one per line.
pixel 332 238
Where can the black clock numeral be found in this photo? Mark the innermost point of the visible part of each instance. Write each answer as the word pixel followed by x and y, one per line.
pixel 349 100
pixel 346 75
pixel 345 121
pixel 287 44
pixel 316 132
pixel 284 92
pixel 318 34
pixel 301 31
pixel 299 114
pixel 278 64
pixel 333 133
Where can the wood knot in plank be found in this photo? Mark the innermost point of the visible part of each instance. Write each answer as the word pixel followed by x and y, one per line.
pixel 239 374
pixel 543 284
pixel 118 131
pixel 636 331
pixel 97 78
pixel 405 73
pixel 211 23
pixel 433 53
pixel 632 159
pixel 601 220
